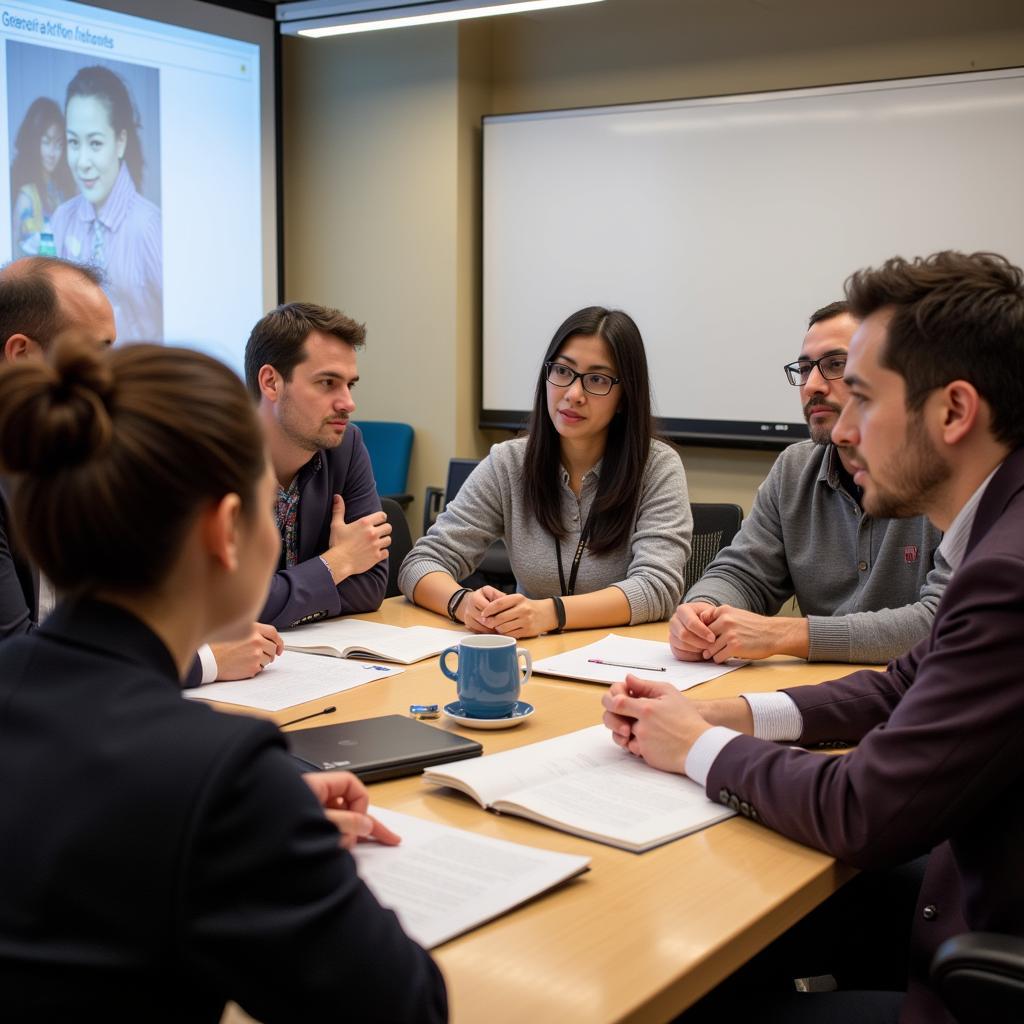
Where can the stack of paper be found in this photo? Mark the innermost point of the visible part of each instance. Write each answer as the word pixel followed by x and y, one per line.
pixel 442 881
pixel 292 679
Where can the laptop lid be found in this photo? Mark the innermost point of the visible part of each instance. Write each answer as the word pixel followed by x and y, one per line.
pixel 379 748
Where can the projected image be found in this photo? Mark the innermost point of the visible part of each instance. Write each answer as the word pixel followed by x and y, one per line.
pixel 40 179
pixel 85 173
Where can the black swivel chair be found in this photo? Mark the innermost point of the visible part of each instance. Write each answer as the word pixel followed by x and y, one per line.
pixel 980 977
pixel 495 569
pixel 401 542
pixel 714 527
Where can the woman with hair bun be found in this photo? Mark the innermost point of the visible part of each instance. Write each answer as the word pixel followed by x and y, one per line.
pixel 160 858
pixel 109 225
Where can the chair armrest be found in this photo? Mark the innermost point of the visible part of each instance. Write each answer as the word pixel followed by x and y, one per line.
pixel 980 976
pixel 432 504
pixel 404 500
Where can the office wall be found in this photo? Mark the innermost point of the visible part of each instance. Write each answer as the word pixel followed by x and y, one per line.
pixel 381 173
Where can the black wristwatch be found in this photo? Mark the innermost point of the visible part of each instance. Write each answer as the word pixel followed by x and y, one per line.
pixel 559 614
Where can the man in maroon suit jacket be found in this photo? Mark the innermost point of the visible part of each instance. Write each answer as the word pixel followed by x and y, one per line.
pixel 935 426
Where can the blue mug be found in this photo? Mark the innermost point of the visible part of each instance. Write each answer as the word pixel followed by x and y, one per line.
pixel 489 675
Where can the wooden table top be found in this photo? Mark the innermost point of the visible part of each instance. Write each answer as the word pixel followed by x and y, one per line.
pixel 640 936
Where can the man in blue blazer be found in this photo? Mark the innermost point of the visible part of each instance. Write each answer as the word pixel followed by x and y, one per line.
pixel 936 375
pixel 300 365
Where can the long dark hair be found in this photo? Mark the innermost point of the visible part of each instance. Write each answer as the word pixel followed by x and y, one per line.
pixel 27 168
pixel 629 434
pixel 102 84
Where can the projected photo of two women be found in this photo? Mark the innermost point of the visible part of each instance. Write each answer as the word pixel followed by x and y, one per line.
pixel 85 173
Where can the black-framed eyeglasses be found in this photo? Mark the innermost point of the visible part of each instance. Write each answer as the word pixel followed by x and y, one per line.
pixel 831 367
pixel 563 376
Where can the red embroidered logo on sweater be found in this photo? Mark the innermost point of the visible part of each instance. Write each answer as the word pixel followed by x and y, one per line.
pixel 910 553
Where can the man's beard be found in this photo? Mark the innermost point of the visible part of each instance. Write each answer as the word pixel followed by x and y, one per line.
pixel 327 438
pixel 921 470
pixel 820 434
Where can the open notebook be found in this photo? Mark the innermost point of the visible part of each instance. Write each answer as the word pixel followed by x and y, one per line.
pixel 584 784
pixel 443 881
pixel 354 638
pixel 648 659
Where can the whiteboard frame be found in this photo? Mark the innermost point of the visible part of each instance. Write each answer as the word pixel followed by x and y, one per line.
pixel 752 434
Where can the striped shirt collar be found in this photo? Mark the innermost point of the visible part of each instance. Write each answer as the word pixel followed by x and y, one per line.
pixel 954 544
pixel 116 205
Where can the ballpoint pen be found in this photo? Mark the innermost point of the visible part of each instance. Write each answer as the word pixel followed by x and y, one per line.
pixel 623 664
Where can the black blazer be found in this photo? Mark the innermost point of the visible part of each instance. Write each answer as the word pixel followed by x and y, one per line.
pixel 158 858
pixel 19 582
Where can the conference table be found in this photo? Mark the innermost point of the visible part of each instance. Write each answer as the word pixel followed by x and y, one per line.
pixel 640 936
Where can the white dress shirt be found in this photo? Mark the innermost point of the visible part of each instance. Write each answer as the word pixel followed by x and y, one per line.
pixel 776 716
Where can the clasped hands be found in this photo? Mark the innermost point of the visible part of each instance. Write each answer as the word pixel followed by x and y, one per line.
pixel 700 631
pixel 488 610
pixel 658 723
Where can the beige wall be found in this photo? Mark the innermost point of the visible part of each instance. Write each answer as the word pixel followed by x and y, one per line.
pixel 381 165
pixel 371 219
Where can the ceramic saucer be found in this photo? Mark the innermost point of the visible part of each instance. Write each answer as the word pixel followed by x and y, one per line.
pixel 519 713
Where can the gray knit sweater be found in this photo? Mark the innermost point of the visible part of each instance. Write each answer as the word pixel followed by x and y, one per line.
pixel 648 568
pixel 869 587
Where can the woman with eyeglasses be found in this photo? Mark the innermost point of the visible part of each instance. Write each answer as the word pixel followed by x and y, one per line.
pixel 592 507
pixel 158 857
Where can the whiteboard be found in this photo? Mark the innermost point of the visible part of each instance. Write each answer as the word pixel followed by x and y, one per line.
pixel 721 223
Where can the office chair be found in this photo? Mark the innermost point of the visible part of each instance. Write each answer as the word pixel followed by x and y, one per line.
pixel 980 977
pixel 401 542
pixel 436 498
pixel 495 569
pixel 390 448
pixel 714 527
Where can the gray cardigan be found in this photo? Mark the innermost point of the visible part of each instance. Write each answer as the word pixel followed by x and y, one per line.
pixel 648 568
pixel 869 587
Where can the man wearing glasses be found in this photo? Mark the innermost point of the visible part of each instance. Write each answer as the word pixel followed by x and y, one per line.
pixel 867 588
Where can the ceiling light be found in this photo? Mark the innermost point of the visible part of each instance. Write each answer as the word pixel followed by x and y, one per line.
pixel 319 18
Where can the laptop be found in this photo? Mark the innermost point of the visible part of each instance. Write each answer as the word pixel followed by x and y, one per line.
pixel 378 748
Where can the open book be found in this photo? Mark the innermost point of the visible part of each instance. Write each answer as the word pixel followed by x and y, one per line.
pixel 584 784
pixel 353 638
pixel 443 881
pixel 648 659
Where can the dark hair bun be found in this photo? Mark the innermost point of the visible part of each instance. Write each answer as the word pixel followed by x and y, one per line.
pixel 54 416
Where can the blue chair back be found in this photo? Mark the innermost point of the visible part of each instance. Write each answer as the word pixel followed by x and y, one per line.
pixel 390 447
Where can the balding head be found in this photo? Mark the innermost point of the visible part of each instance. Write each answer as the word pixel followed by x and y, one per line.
pixel 43 298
